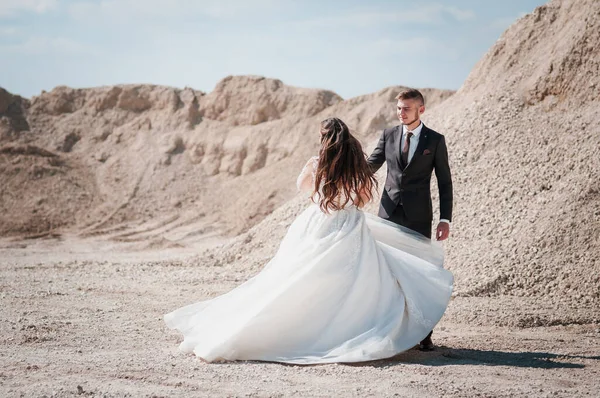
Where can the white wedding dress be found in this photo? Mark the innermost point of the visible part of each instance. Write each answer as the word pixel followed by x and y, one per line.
pixel 343 287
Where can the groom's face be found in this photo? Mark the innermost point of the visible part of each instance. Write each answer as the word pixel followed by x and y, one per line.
pixel 409 110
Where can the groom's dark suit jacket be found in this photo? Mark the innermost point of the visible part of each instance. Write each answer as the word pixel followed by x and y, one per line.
pixel 409 185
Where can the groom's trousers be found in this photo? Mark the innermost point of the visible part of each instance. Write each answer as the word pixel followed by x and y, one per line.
pixel 399 217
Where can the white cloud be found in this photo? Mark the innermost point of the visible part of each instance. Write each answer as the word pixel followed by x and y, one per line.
pixel 12 7
pixel 426 14
pixel 460 15
pixel 406 46
pixel 238 8
pixel 127 10
pixel 37 45
pixel 504 23
pixel 414 46
pixel 7 31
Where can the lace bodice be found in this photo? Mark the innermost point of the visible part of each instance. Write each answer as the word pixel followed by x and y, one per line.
pixel 306 180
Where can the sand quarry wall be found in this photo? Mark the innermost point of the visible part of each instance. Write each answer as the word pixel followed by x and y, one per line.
pixel 97 160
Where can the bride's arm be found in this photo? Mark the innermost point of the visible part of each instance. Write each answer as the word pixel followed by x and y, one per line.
pixel 306 180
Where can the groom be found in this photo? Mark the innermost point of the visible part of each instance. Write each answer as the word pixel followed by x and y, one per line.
pixel 412 152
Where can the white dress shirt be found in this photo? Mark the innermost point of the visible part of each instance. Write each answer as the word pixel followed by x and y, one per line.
pixel 414 141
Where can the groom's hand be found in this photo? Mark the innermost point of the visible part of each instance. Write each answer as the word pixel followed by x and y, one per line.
pixel 443 231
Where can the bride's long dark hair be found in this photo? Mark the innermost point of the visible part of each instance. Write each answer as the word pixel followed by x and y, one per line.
pixel 343 175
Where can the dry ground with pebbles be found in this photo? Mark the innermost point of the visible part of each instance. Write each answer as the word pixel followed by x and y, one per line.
pixel 82 322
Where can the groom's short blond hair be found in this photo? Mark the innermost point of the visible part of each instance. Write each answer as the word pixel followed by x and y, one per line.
pixel 411 93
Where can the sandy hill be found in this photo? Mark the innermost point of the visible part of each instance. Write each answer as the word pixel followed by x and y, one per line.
pixel 164 166
pixel 549 56
pixel 523 139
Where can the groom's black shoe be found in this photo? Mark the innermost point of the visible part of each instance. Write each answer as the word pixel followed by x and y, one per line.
pixel 426 344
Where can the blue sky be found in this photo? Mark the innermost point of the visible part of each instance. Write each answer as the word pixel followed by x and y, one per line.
pixel 351 47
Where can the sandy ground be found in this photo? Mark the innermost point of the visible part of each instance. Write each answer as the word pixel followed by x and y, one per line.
pixel 83 318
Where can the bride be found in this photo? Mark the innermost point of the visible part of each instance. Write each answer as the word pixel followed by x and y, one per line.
pixel 344 286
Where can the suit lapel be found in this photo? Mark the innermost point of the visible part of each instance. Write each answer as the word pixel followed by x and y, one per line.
pixel 423 138
pixel 398 135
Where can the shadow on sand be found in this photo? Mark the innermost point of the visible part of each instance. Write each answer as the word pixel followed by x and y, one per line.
pixel 445 356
